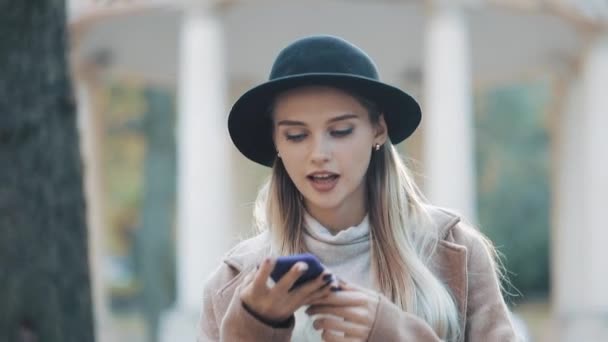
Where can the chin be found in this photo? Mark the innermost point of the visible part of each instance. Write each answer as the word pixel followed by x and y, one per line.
pixel 324 201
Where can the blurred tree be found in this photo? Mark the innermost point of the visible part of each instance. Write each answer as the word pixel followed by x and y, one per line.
pixel 44 275
pixel 154 247
pixel 513 181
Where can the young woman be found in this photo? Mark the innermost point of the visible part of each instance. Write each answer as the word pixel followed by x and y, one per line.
pixel 396 268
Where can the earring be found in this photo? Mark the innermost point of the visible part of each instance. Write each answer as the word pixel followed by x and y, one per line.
pixel 278 155
pixel 377 147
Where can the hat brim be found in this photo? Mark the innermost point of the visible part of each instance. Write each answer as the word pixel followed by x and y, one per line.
pixel 250 125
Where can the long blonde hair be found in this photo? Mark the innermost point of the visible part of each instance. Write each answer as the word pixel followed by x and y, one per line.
pixel 403 236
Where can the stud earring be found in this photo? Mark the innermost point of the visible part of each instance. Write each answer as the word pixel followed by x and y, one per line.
pixel 377 147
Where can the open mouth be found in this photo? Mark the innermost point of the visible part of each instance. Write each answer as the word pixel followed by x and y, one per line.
pixel 323 177
pixel 323 181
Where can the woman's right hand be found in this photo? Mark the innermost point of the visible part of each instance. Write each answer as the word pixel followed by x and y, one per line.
pixel 278 303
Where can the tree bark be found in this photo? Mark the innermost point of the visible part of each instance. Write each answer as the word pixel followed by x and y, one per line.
pixel 44 274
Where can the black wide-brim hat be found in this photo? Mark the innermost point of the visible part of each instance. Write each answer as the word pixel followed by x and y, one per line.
pixel 317 60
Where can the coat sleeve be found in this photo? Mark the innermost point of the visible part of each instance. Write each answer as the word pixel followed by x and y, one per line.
pixel 208 327
pixel 393 324
pixel 487 314
pixel 234 323
pixel 240 325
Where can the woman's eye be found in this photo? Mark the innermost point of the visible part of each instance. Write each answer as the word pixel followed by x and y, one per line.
pixel 341 132
pixel 295 137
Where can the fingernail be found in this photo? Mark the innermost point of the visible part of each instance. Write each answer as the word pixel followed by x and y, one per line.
pixel 327 277
pixel 302 267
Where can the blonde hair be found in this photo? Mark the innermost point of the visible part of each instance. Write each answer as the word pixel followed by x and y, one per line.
pixel 403 236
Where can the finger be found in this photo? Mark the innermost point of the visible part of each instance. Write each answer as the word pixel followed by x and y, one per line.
pixel 307 295
pixel 342 298
pixel 330 336
pixel 339 284
pixel 352 287
pixel 287 281
pixel 313 286
pixel 348 331
pixel 319 295
pixel 263 273
pixel 351 314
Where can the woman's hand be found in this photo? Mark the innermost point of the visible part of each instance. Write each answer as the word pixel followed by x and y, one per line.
pixel 278 303
pixel 352 312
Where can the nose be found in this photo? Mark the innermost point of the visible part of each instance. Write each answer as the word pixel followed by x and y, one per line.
pixel 321 151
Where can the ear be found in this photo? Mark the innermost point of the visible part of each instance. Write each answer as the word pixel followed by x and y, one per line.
pixel 381 131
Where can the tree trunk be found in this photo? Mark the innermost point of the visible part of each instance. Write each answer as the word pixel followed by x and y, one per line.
pixel 44 275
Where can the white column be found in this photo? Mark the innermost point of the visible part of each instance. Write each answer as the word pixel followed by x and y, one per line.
pixel 90 127
pixel 204 183
pixel 568 242
pixel 581 270
pixel 594 181
pixel 447 111
pixel 203 156
pixel 595 170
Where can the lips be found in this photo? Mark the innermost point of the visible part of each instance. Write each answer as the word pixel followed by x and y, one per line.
pixel 323 181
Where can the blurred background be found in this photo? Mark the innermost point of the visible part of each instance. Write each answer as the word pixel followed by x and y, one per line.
pixel 513 136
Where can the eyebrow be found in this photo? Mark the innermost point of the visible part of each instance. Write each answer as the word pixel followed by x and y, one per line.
pixel 332 120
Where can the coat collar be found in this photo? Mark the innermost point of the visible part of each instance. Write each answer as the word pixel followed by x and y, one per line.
pixel 444 219
pixel 249 253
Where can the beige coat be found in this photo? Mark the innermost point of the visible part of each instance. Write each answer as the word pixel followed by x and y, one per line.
pixel 463 263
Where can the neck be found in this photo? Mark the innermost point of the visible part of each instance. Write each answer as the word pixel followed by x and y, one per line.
pixel 339 218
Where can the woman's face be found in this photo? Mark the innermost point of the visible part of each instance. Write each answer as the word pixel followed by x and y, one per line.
pixel 325 139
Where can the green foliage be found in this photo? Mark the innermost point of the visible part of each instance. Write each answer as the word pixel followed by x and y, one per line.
pixel 140 175
pixel 123 159
pixel 513 180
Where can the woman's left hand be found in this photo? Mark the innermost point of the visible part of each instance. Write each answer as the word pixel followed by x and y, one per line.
pixel 353 311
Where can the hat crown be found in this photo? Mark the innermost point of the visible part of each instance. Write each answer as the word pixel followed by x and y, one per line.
pixel 317 60
pixel 323 55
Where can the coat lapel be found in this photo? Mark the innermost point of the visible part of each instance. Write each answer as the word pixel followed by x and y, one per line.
pixel 241 260
pixel 450 260
pixel 451 266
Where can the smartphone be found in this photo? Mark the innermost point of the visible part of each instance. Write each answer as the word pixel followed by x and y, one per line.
pixel 285 263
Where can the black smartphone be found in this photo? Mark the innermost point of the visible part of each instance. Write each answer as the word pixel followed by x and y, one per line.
pixel 285 263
